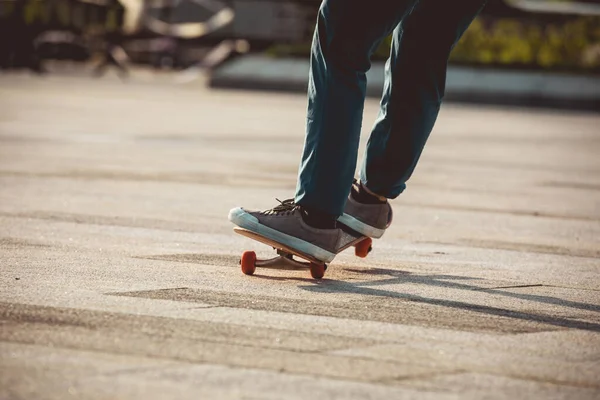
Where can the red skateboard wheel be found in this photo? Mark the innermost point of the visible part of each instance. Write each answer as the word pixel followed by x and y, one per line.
pixel 317 271
pixel 363 248
pixel 248 262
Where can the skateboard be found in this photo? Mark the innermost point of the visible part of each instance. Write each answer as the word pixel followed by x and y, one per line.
pixel 285 258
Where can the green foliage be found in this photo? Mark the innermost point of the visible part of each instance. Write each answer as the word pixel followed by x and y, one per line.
pixel 573 45
pixel 521 44
pixel 65 14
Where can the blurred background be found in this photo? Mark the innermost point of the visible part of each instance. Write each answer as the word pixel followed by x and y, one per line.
pixel 517 36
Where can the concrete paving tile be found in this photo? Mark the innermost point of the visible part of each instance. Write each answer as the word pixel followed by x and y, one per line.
pixel 209 381
pixel 401 308
pixel 273 357
pixel 486 359
pixel 568 344
pixel 173 327
pixel 33 371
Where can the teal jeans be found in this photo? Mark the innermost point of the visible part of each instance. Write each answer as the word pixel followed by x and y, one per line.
pixel 346 35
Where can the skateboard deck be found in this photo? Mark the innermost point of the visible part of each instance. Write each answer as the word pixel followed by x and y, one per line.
pixel 285 258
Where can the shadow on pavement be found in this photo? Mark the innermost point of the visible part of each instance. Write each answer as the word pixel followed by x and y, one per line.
pixel 442 281
pixel 400 277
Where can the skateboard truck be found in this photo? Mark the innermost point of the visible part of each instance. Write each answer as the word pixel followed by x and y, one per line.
pixel 285 259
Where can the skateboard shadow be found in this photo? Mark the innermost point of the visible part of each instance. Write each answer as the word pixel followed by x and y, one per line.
pixel 453 282
pixel 288 278
pixel 373 288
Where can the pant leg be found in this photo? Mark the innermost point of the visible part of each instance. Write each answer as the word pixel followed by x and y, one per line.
pixel 346 34
pixel 413 92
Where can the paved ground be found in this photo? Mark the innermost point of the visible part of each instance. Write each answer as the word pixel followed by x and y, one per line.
pixel 119 267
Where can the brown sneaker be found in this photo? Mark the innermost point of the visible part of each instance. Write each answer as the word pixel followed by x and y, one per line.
pixel 284 224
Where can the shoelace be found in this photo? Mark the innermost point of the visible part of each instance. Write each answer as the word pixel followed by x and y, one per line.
pixel 285 207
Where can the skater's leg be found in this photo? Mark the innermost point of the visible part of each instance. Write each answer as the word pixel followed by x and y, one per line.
pixel 414 89
pixel 346 35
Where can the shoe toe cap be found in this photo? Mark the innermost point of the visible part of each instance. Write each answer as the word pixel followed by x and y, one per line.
pixel 241 217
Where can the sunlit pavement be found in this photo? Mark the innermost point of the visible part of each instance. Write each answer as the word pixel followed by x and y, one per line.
pixel 120 275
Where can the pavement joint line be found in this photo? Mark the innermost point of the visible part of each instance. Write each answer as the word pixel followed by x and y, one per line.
pixel 568 185
pixel 485 371
pixel 573 288
pixel 510 287
pixel 126 371
pixel 402 378
pixel 530 378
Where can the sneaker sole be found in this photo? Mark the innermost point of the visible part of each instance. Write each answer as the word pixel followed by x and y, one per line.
pixel 244 220
pixel 361 227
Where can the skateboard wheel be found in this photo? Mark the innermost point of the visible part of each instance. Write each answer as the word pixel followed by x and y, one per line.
pixel 317 271
pixel 363 248
pixel 248 262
